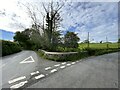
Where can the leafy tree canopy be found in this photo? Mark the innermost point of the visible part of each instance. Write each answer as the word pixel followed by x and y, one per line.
pixel 71 40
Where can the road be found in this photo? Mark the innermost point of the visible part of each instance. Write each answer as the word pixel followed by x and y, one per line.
pixel 93 72
pixel 12 68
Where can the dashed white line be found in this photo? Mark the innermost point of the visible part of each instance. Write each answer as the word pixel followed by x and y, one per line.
pixel 54 70
pixel 19 85
pixel 64 63
pixel 62 67
pixel 68 64
pixel 33 73
pixel 40 76
pixel 17 79
pixel 57 65
pixel 73 63
pixel 47 68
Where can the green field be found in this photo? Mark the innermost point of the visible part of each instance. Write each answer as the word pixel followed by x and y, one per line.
pixel 98 45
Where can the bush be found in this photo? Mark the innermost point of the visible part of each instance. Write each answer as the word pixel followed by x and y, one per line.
pixel 65 49
pixel 91 51
pixel 10 47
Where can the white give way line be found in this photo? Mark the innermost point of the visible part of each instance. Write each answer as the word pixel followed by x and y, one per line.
pixel 31 60
pixel 17 79
pixel 19 85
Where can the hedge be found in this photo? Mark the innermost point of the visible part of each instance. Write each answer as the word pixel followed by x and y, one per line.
pixel 10 48
pixel 92 51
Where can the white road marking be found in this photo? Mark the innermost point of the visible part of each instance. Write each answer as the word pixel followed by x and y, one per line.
pixel 68 64
pixel 33 73
pixel 19 85
pixel 47 68
pixel 57 65
pixel 46 74
pixel 73 62
pixel 54 70
pixel 64 63
pixel 1 66
pixel 17 79
pixel 40 76
pixel 30 61
pixel 62 67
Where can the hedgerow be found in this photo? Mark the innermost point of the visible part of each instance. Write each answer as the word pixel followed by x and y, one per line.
pixel 10 47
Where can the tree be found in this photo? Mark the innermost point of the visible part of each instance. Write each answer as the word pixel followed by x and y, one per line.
pixel 119 40
pixel 53 20
pixel 23 38
pixel 71 40
pixel 50 25
pixel 100 41
pixel 85 41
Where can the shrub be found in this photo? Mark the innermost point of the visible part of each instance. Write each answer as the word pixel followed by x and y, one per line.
pixel 65 49
pixel 10 47
pixel 91 51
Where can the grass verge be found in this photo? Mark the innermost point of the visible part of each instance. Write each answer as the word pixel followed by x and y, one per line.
pixel 80 55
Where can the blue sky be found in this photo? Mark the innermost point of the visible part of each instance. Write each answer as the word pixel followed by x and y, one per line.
pixel 6 35
pixel 100 19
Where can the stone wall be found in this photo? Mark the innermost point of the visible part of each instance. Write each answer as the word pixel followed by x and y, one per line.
pixel 58 55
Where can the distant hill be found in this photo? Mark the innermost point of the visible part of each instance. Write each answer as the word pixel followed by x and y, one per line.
pixel 6 35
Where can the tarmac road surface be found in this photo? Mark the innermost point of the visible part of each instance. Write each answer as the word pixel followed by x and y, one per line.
pixel 27 70
pixel 93 72
pixel 19 66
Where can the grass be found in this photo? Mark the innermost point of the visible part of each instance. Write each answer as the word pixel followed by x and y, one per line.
pixel 94 49
pixel 98 45
pixel 99 48
pixel 73 57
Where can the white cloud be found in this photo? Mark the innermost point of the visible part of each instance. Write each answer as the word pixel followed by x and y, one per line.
pixel 100 19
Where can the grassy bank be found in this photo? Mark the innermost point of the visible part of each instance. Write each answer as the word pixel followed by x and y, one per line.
pixel 99 48
pixel 94 49
pixel 99 45
pixel 70 57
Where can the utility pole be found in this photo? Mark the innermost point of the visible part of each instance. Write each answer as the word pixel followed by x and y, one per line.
pixel 88 39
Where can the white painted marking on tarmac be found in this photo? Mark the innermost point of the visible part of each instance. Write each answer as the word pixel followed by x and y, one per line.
pixel 57 65
pixel 62 67
pixel 73 62
pixel 68 64
pixel 33 73
pixel 1 66
pixel 40 76
pixel 19 85
pixel 47 68
pixel 17 79
pixel 26 60
pixel 46 74
pixel 64 63
pixel 54 70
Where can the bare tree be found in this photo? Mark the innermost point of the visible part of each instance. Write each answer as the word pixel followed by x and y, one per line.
pixel 50 19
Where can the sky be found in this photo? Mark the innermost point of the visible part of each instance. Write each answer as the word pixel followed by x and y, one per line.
pixel 6 35
pixel 100 19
